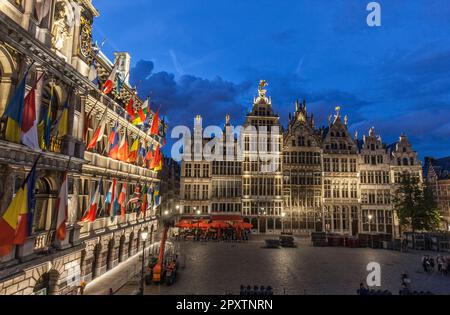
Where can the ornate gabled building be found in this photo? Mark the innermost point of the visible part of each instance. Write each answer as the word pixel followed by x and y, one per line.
pixel 376 186
pixel 52 42
pixel 302 172
pixel 437 177
pixel 340 177
pixel 324 179
pixel 262 175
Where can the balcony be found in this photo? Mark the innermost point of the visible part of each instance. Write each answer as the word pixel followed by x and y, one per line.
pixel 101 163
pixel 104 225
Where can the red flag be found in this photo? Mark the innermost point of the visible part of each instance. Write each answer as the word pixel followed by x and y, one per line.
pixel 124 149
pixel 122 201
pixel 130 108
pixel 109 84
pixel 155 124
pixel 156 159
pixel 62 208
pixel 98 135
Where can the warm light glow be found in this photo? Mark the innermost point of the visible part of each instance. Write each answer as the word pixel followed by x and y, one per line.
pixel 177 207
pixel 199 212
pixel 283 214
pixel 166 212
pixel 370 217
pixel 144 236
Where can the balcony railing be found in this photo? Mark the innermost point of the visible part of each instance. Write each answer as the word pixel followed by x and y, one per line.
pixel 43 241
pixel 106 224
pixel 104 162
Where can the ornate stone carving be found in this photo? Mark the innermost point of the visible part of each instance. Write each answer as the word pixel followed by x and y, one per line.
pixel 61 26
pixel 85 37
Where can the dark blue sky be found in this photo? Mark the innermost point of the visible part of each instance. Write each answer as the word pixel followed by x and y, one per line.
pixel 207 57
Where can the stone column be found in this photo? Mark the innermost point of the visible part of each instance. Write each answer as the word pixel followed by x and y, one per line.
pixel 28 11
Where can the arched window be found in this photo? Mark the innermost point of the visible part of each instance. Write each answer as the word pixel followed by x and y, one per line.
pixel 405 162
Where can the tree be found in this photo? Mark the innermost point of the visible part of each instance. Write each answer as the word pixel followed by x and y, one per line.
pixel 416 206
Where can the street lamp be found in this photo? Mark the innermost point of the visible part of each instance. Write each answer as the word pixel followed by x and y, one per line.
pixel 144 236
pixel 166 213
pixel 283 215
pixel 370 217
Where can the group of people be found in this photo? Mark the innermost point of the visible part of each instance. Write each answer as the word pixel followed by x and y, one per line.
pixel 442 263
pixel 256 290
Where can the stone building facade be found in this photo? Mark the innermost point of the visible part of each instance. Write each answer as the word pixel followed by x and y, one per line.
pixel 437 176
pixel 324 179
pixel 57 41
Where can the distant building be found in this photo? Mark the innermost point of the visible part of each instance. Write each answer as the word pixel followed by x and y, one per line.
pixel 170 187
pixel 437 176
pixel 324 178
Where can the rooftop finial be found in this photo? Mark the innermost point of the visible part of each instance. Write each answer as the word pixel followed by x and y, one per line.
pixel 262 92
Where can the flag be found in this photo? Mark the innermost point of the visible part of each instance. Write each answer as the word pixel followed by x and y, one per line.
pixel 130 107
pixel 45 124
pixel 144 200
pixel 156 197
pixel 93 73
pixel 122 200
pixel 156 159
pixel 149 156
pixel 136 120
pixel 63 121
pixel 62 208
pixel 141 154
pixel 115 206
pixel 160 162
pixel 109 84
pixel 143 111
pixel 14 113
pixel 111 197
pixel 114 142
pixel 15 224
pixel 42 9
pixel 132 156
pixel 163 131
pixel 30 121
pixel 155 125
pixel 123 148
pixel 91 213
pixel 99 132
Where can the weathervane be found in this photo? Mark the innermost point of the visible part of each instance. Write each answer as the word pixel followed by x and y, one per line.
pixel 261 90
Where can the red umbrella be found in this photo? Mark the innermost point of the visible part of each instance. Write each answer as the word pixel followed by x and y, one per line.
pixel 219 225
pixel 183 225
pixel 202 225
pixel 243 226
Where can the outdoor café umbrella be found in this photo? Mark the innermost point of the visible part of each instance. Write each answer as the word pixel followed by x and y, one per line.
pixel 183 225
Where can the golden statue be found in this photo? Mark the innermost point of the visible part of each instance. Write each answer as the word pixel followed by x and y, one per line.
pixel 262 85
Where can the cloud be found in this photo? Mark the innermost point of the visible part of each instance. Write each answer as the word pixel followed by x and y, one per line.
pixel 181 99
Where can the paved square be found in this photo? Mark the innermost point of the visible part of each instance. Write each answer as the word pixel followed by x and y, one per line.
pixel 217 268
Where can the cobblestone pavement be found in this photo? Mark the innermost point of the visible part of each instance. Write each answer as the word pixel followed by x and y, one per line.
pixel 218 268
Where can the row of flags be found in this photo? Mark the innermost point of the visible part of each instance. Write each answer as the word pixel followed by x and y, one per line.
pixel 117 203
pixel 30 123
pixel 136 116
pixel 139 153
pixel 16 223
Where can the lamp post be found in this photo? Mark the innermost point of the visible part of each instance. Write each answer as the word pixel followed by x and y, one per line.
pixel 144 236
pixel 370 217
pixel 283 215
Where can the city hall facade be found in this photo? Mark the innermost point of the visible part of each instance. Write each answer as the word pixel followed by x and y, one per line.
pixel 51 41
pixel 325 179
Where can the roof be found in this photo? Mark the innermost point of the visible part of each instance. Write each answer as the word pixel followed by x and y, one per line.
pixel 440 166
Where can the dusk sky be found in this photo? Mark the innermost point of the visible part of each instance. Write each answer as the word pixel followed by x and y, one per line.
pixel 207 57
